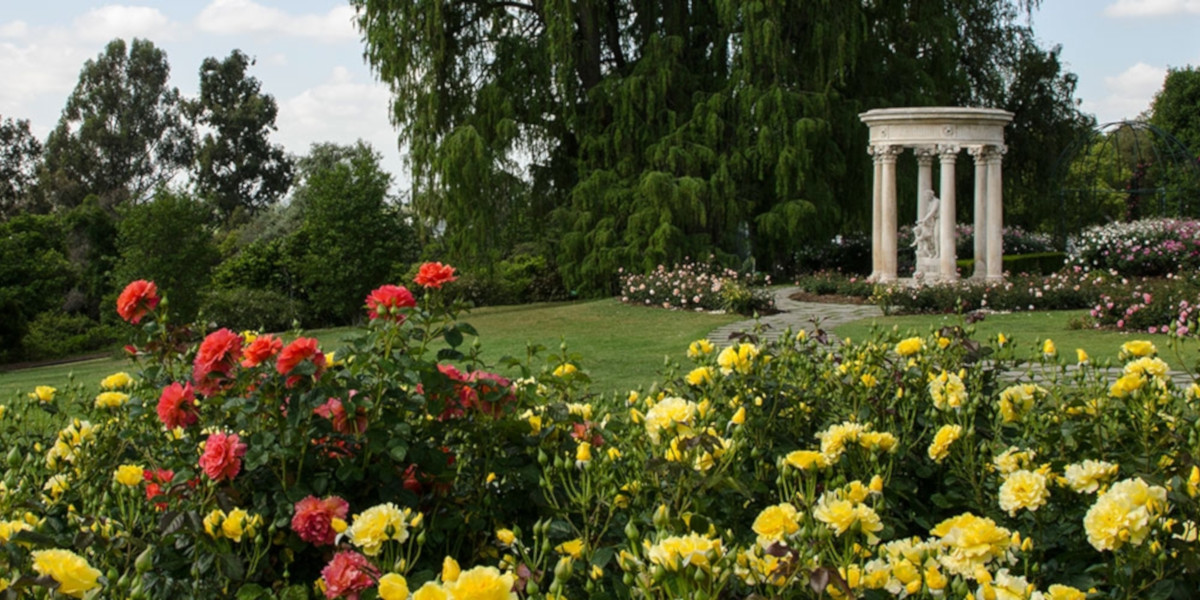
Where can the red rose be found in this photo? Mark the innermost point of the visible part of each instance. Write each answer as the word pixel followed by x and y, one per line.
pixel 313 520
pixel 336 412
pixel 262 348
pixel 218 354
pixel 487 386
pixel 222 458
pixel 297 352
pixel 177 406
pixel 387 301
pixel 155 480
pixel 434 275
pixel 348 574
pixel 137 299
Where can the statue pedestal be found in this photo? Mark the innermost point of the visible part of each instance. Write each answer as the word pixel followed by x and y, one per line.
pixel 927 269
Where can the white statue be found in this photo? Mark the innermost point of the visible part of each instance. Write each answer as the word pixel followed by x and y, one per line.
pixel 925 232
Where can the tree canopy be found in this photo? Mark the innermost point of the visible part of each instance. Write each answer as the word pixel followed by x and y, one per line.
pixel 236 166
pixel 1176 107
pixel 121 133
pixel 20 156
pixel 625 133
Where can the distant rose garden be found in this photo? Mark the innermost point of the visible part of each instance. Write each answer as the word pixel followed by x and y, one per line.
pixel 257 465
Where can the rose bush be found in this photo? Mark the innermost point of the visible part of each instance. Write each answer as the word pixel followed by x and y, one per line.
pixel 902 466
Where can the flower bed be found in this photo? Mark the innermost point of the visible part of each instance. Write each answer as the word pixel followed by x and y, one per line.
pixel 250 467
pixel 697 286
pixel 1147 248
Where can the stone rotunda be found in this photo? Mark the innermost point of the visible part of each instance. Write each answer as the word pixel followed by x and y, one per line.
pixel 941 132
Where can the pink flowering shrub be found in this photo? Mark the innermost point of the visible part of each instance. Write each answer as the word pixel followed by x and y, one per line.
pixel 1146 248
pixel 696 286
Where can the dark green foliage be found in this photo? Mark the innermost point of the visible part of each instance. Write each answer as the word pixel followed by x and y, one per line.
pixel 121 133
pixel 34 275
pixel 251 308
pixel 1176 107
pixel 55 334
pixel 20 155
pixel 168 241
pixel 92 249
pixel 1041 263
pixel 236 165
pixel 352 238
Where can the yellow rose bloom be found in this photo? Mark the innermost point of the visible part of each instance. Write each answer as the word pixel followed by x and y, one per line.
pixel 1126 385
pixel 1148 367
pixel 1048 348
pixel 699 376
pixel 10 528
pixel 1001 340
pixel 699 348
pixel 739 417
pixel 56 485
pixel 969 542
pixel 116 381
pixel 583 454
pixel 505 536
pixel 43 393
pixel 393 586
pixel 1013 459
pixel 943 342
pixel 668 414
pixel 947 391
pixel 877 440
pixel 450 570
pixel 776 522
pixel 940 448
pixel 572 548
pixel 1017 400
pixel 1081 355
pixel 430 591
pixel 1064 592
pixel 239 523
pixel 1193 482
pixel 1023 489
pixel 739 358
pixel 910 346
pixel 565 369
pixel 1138 349
pixel 1125 513
pixel 482 583
pixel 835 438
pixel 376 525
pixel 806 459
pixel 128 475
pixel 677 552
pixel 72 572
pixel 111 399
pixel 839 514
pixel 1087 477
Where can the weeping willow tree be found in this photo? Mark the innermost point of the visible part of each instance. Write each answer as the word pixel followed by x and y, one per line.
pixel 627 133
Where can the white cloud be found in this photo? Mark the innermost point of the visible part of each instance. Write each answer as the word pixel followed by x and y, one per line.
pixel 232 17
pixel 1152 8
pixel 340 110
pixel 15 29
pixel 1129 93
pixel 120 21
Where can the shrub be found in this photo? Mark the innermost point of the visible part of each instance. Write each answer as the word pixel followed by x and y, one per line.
pixel 696 286
pixel 826 283
pixel 1042 263
pixel 253 309
pixel 1147 248
pixel 56 334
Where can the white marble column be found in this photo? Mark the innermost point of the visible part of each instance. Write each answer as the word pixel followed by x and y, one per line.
pixel 925 156
pixel 980 154
pixel 876 214
pixel 947 267
pixel 995 217
pixel 887 157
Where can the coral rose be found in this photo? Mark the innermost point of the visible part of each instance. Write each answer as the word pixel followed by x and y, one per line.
pixel 222 458
pixel 301 350
pixel 387 301
pixel 177 406
pixel 262 348
pixel 313 519
pixel 336 412
pixel 348 574
pixel 434 275
pixel 215 360
pixel 137 299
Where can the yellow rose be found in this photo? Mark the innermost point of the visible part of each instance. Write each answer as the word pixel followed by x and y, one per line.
pixel 699 376
pixel 776 522
pixel 73 574
pixel 940 448
pixel 482 583
pixel 910 346
pixel 565 369
pixel 1023 489
pixel 505 536
pixel 393 586
pixel 1138 349
pixel 1082 355
pixel 377 525
pixel 1048 348
pixel 699 348
pixel 430 591
pixel 739 417
pixel 583 454
pixel 111 399
pixel 43 393
pixel 116 381
pixel 572 548
pixel 450 570
pixel 128 475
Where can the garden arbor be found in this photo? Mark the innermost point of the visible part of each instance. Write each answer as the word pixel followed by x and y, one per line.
pixel 941 132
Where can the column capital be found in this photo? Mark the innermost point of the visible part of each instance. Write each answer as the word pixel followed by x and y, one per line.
pixel 989 153
pixel 885 151
pixel 925 154
pixel 996 153
pixel 948 152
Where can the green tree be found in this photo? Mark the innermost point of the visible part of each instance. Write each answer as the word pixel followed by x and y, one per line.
pixel 20 155
pixel 167 240
pixel 655 131
pixel 352 239
pixel 236 166
pixel 34 275
pixel 1176 107
pixel 121 133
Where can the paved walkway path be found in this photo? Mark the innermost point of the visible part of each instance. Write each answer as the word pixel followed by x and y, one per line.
pixel 797 316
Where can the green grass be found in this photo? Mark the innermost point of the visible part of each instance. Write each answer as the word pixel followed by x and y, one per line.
pixel 622 346
pixel 1028 329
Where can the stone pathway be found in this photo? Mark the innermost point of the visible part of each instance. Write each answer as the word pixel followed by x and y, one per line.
pixel 797 316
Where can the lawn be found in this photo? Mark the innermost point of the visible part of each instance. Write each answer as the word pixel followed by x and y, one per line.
pixel 1029 329
pixel 622 346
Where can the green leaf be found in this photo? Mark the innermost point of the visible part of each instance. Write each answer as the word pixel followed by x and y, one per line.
pixel 453 337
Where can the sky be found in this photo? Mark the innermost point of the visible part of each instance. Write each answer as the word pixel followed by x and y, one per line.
pixel 309 56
